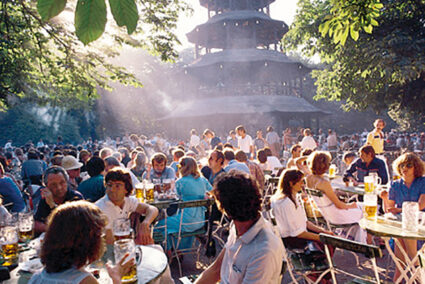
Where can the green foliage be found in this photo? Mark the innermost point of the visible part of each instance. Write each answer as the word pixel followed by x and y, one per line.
pixel 90 19
pixel 50 8
pixel 125 13
pixel 384 70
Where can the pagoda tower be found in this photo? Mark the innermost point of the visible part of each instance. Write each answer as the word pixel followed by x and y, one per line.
pixel 240 69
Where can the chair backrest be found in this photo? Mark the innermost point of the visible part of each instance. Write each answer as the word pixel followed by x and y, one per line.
pixel 368 251
pixel 195 203
pixel 314 192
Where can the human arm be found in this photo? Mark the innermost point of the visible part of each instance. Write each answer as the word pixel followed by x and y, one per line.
pixel 144 232
pixel 299 162
pixel 421 202
pixel 117 271
pixel 326 188
pixel 348 175
pixel 212 273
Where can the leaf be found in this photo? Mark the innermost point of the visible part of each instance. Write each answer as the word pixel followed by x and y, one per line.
pixel 324 28
pixel 354 33
pixel 90 20
pixel 50 8
pixel 368 29
pixel 344 35
pixel 125 13
pixel 374 22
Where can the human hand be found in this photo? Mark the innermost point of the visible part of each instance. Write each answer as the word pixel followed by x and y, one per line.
pixel 47 195
pixel 144 235
pixel 117 271
pixel 394 210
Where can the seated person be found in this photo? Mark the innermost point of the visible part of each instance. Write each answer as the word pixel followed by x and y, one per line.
pixel 410 187
pixel 158 169
pixel 333 209
pixel 55 193
pixel 12 196
pixel 295 153
pixel 191 186
pixel 117 203
pixel 73 240
pixel 93 188
pixel 367 163
pixel 230 163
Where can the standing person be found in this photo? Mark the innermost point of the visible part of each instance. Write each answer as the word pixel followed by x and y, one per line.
pixel 410 187
pixel 332 140
pixel 233 140
pixel 213 140
pixel 117 203
pixel 194 141
pixel 273 141
pixel 72 241
pixel 245 142
pixel 55 193
pixel 253 253
pixel 376 137
pixel 259 142
pixel 287 139
pixel 308 141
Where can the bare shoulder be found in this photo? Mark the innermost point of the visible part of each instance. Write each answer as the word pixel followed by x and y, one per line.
pixel 89 280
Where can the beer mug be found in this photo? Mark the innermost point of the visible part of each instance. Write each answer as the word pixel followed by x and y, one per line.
pixel 377 181
pixel 9 244
pixel 140 192
pixel 167 184
pixel 26 225
pixel 369 184
pixel 370 206
pixel 121 247
pixel 121 228
pixel 410 216
pixel 149 192
pixel 332 171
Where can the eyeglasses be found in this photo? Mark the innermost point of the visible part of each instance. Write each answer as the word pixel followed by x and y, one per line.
pixel 407 165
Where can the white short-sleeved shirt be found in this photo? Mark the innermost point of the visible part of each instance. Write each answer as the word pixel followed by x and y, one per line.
pixel 114 212
pixel 290 220
pixel 308 143
pixel 245 143
pixel 194 141
pixel 254 257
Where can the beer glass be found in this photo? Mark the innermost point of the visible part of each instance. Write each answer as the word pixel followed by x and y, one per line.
pixel 121 247
pixel 370 205
pixel 121 228
pixel 26 224
pixel 149 193
pixel 332 171
pixel 167 184
pixel 369 184
pixel 140 194
pixel 410 216
pixel 9 244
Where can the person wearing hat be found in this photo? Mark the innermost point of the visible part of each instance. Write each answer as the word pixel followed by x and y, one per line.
pixel 72 167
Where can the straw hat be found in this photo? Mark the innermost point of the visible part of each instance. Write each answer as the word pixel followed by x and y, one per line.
pixel 69 162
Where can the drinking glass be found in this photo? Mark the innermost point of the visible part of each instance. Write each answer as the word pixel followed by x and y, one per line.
pixel 121 247
pixel 140 192
pixel 370 206
pixel 122 228
pixel 9 243
pixel 149 195
pixel 369 184
pixel 410 216
pixel 332 171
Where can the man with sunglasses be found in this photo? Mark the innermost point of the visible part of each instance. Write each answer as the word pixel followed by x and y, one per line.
pixel 363 166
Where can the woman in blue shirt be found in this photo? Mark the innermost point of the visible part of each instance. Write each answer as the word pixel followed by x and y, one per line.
pixel 191 186
pixel 411 187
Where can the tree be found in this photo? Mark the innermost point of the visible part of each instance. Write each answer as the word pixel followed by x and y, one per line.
pixel 384 70
pixel 44 61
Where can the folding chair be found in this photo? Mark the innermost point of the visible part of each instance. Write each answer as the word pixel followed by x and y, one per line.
pixel 369 251
pixel 160 232
pixel 199 234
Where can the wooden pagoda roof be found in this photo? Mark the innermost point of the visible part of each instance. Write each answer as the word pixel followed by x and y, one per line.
pixel 242 105
pixel 235 4
pixel 213 33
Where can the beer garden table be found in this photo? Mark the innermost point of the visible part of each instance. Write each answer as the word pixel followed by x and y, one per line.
pixel 338 184
pixel 387 229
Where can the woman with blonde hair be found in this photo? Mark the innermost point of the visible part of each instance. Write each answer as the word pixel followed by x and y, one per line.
pixel 191 186
pixel 333 209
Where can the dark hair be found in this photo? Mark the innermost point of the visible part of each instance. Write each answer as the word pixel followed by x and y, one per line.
pixel 219 155
pixel 54 170
pixel 261 156
pixel 306 152
pixel 159 158
pixel 367 149
pixel 287 177
pixel 32 154
pixel 229 155
pixel 241 156
pixel 112 161
pixel 319 162
pixel 295 147
pixel 240 128
pixel 119 174
pixel 238 196
pixel 95 166
pixel 348 155
pixel 268 151
pixel 228 145
pixel 73 237
pixel 178 153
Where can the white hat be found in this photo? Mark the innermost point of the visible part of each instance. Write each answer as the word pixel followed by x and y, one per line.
pixel 69 162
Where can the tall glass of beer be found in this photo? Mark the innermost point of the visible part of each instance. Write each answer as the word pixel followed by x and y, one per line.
pixel 369 184
pixel 121 247
pixel 121 228
pixel 332 171
pixel 9 244
pixel 140 194
pixel 370 206
pixel 26 224
pixel 149 193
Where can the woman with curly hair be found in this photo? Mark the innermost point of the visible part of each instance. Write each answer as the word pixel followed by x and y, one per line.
pixel 72 241
pixel 333 209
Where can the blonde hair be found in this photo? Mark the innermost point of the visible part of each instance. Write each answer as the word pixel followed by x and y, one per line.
pixel 418 164
pixel 188 166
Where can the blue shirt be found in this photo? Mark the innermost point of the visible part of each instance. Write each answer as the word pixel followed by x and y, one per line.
pixel 235 165
pixel 11 194
pixel 174 166
pixel 93 188
pixel 33 167
pixel 399 191
pixel 359 167
pixel 168 173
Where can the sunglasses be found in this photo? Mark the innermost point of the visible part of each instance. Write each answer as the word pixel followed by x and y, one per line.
pixel 407 165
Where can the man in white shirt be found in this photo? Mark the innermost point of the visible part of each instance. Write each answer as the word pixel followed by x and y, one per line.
pixel 118 204
pixel 308 140
pixel 253 253
pixel 194 140
pixel 245 142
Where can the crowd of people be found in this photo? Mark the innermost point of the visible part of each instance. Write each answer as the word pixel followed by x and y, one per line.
pixel 47 178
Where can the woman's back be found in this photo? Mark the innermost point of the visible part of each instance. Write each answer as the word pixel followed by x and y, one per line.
pixel 69 276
